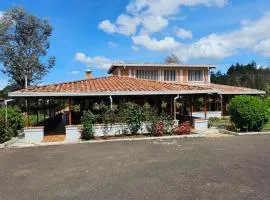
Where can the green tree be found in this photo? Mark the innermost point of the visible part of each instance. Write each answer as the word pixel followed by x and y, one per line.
pixel 4 92
pixel 172 59
pixel 250 75
pixel 23 46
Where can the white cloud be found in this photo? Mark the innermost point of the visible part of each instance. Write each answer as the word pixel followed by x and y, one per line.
pixel 135 48
pixel 167 43
pixel 1 14
pixel 222 45
pixel 167 7
pixel 263 47
pixel 184 34
pixel 150 16
pixel 74 72
pixel 112 44
pixel 100 62
pixel 125 25
pixel 107 26
pixel 153 23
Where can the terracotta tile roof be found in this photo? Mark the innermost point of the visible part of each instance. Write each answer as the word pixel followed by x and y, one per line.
pixel 113 84
pixel 226 89
pixel 123 85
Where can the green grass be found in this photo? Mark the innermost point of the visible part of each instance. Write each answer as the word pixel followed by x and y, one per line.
pixel 216 121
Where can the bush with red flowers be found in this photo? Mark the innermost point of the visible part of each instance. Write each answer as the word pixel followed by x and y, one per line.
pixel 158 129
pixel 182 129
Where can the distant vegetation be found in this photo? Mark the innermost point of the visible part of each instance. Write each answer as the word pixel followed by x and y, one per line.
pixel 250 75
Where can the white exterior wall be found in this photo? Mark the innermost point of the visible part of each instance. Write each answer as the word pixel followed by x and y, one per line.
pixel 73 133
pixel 34 134
pixel 200 124
pixel 115 129
pixel 209 114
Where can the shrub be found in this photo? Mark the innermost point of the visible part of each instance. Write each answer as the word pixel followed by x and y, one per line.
pixel 15 119
pixel 182 129
pixel 5 133
pixel 157 124
pixel 167 121
pixel 133 116
pixel 87 121
pixel 158 129
pixel 267 101
pixel 248 113
pixel 213 121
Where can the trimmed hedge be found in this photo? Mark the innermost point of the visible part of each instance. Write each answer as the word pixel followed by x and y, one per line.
pixel 249 113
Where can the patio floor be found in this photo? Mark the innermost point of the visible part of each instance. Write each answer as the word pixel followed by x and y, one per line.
pixel 57 134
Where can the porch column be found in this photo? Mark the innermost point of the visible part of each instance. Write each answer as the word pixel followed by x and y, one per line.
pixel 26 113
pixel 191 105
pixel 205 106
pixel 37 112
pixel 221 105
pixel 44 109
pixel 69 112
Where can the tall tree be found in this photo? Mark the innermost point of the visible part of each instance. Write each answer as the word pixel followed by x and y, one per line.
pixel 172 59
pixel 249 75
pixel 24 42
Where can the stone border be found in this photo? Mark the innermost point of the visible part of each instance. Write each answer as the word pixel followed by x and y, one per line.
pixel 9 142
pixel 39 144
pixel 224 131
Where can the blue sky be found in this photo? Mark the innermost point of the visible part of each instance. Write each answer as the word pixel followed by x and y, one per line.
pixel 93 34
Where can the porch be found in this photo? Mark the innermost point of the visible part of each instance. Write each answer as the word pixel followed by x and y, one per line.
pixel 57 119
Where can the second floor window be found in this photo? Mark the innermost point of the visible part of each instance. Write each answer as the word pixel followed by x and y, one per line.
pixel 169 75
pixel 195 75
pixel 147 74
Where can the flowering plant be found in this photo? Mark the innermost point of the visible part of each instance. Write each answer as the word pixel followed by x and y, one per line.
pixel 158 129
pixel 182 129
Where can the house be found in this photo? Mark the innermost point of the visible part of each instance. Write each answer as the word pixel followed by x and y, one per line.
pixel 189 84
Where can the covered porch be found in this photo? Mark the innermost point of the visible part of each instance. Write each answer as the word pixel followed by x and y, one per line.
pixel 57 109
pixel 59 117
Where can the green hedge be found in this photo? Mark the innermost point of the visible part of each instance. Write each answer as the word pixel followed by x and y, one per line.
pixel 249 113
pixel 5 133
pixel 87 122
pixel 15 119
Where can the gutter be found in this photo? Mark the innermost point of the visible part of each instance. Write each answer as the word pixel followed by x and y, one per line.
pixel 106 93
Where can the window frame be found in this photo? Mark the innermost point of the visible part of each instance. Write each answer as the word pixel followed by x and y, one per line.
pixel 147 74
pixel 196 81
pixel 170 75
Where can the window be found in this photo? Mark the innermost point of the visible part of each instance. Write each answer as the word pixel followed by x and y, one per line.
pixel 169 75
pixel 195 75
pixel 147 74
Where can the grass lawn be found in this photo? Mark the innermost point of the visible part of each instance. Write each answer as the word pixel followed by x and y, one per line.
pixel 217 122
